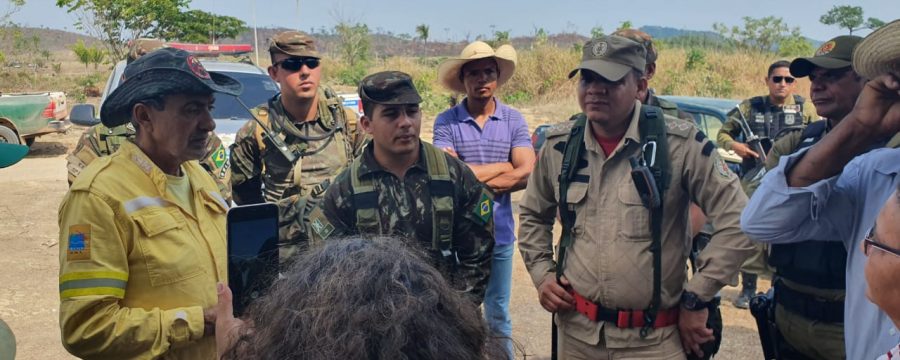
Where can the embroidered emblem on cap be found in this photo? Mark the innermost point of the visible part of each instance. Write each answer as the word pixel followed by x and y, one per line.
pixel 826 48
pixel 197 68
pixel 599 49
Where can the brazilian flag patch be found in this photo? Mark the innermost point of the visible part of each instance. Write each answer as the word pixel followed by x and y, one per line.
pixel 219 156
pixel 485 208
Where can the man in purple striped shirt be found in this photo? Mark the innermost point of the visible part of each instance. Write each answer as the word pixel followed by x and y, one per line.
pixel 493 139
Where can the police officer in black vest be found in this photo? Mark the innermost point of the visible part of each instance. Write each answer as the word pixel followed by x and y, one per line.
pixel 766 117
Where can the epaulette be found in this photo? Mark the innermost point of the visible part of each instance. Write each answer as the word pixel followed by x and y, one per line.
pixel 559 129
pixel 679 127
pixel 87 177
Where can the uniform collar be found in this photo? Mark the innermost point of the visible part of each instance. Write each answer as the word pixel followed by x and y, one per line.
pixel 369 165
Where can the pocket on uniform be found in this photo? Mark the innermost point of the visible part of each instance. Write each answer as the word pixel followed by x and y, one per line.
pixel 166 245
pixel 635 218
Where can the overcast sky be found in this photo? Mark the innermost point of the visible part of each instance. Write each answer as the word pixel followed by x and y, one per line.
pixel 474 17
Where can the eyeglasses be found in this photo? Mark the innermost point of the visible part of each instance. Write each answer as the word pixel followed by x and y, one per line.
pixel 787 79
pixel 295 63
pixel 830 76
pixel 870 242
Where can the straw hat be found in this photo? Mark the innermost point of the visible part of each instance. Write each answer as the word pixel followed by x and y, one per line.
pixel 879 53
pixel 449 71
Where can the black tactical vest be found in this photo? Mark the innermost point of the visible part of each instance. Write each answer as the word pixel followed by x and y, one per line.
pixel 766 119
pixel 821 264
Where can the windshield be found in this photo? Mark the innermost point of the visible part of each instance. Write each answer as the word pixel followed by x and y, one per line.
pixel 258 88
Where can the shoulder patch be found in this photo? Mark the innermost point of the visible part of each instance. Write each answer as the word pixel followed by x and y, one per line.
pixel 319 224
pixel 484 210
pixel 676 126
pixel 722 168
pixel 560 129
pixel 79 243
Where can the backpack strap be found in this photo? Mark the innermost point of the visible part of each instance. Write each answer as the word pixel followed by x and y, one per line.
pixel 655 155
pixel 441 188
pixel 758 103
pixel 571 154
pixel 365 201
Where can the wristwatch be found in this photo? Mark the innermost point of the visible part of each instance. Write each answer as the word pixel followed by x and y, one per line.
pixel 692 302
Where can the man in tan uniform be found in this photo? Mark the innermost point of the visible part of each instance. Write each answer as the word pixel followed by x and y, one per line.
pixel 610 260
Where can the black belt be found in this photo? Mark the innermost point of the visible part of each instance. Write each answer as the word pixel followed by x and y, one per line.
pixel 809 306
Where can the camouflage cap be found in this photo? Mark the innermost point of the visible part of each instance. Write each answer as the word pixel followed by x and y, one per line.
pixel 293 43
pixel 641 38
pixel 389 88
pixel 833 54
pixel 612 57
pixel 143 46
pixel 165 71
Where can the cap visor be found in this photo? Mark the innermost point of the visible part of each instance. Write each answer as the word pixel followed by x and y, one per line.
pixel 802 67
pixel 609 70
pixel 11 154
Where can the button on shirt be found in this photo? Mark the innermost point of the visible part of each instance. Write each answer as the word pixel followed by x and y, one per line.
pixel 505 129
pixel 847 206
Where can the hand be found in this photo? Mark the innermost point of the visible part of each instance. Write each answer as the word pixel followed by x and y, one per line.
pixel 450 151
pixel 553 296
pixel 227 327
pixel 209 322
pixel 692 326
pixel 877 109
pixel 743 150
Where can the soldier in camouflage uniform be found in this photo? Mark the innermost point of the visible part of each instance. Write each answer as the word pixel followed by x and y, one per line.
pixel 99 140
pixel 767 116
pixel 401 186
pixel 310 120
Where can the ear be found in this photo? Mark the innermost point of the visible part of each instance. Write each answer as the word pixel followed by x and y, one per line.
pixel 366 123
pixel 642 84
pixel 650 70
pixel 272 72
pixel 140 113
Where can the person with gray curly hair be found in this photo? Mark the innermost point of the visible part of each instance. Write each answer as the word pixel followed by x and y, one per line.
pixel 357 298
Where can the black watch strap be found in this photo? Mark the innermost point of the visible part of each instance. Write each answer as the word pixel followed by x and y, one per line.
pixel 692 302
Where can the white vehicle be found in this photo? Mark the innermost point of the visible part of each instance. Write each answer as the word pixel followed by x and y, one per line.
pixel 228 114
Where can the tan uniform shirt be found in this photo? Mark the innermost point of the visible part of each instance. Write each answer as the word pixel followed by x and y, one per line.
pixel 610 260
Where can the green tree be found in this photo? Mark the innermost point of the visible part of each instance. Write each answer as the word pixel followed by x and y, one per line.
pixel 850 18
pixel 541 37
pixel 763 34
pixel 795 45
pixel 354 43
pixel 198 26
pixel 625 25
pixel 596 32
pixel 82 53
pixel 422 32
pixel 116 22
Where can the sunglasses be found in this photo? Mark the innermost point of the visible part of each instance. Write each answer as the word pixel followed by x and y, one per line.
pixel 787 79
pixel 295 63
pixel 870 242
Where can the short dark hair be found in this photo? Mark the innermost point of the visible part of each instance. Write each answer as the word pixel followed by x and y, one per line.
pixel 368 107
pixel 157 102
pixel 778 64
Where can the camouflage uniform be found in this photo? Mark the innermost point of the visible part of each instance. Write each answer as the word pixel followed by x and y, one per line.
pixel 407 207
pixel 731 128
pixel 261 173
pixel 98 141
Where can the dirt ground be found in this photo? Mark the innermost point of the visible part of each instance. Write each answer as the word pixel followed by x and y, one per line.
pixel 30 193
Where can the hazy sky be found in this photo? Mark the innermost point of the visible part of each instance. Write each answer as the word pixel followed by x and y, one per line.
pixel 474 17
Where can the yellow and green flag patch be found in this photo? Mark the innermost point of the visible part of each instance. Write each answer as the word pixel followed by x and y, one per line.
pixel 485 208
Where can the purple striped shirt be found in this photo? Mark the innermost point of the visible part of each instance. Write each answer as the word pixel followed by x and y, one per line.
pixel 503 131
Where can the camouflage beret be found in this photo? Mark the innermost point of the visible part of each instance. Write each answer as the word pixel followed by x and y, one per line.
pixel 389 88
pixel 293 43
pixel 641 38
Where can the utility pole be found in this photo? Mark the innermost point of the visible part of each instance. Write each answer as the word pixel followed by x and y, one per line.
pixel 255 36
pixel 298 16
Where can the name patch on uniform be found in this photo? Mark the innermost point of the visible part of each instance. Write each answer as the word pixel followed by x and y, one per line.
pixel 79 242
pixel 484 210
pixel 321 228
